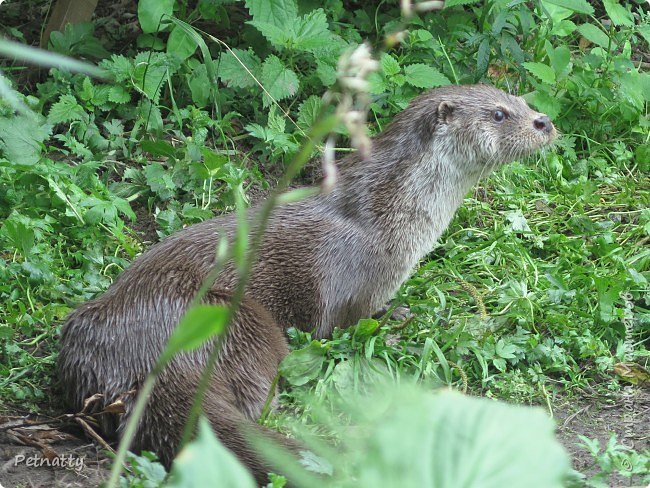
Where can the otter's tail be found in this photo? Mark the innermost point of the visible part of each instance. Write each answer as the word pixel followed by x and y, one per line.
pixel 162 424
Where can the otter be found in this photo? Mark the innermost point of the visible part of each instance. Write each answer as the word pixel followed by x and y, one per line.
pixel 324 262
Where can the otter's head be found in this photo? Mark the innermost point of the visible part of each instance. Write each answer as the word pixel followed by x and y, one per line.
pixel 474 127
pixel 487 126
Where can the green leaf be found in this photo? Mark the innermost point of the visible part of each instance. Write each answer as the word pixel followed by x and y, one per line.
pixel 308 33
pixel 389 65
pixel 542 71
pixel 608 294
pixel 100 95
pixel 376 85
pixel 180 43
pixel 579 6
pixel 563 28
pixel 311 31
pixel 99 211
pixel 6 332
pixel 209 9
pixel 644 30
pixel 87 90
pixel 276 122
pixel 560 58
pixel 200 85
pixel 199 324
pixel 421 35
pixel 205 461
pixel 500 364
pixel 546 103
pixel 303 365
pixel 415 439
pixel 505 350
pixel 66 109
pixel 159 180
pixel 119 66
pixel 423 76
pixel 343 376
pixel 631 88
pixel 594 34
pixel 123 206
pixel 326 73
pixel 18 234
pixel 280 82
pixel 150 72
pixel 21 139
pixel 150 13
pixel 309 111
pixel 509 43
pixel 642 157
pixel 151 115
pixel 279 13
pixel 118 94
pixel 618 14
pixel 278 36
pixel 77 39
pixel 231 71
pixel 159 148
pixel 150 42
pixel 483 56
pixel 365 328
pixel 455 3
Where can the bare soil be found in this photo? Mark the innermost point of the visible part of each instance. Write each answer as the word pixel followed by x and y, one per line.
pixel 48 455
pixel 627 416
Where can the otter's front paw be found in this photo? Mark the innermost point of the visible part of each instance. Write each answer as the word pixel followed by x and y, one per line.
pixel 399 313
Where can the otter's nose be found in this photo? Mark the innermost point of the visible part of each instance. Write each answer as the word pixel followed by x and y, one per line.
pixel 543 123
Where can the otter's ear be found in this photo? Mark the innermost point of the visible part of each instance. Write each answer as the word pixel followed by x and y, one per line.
pixel 445 112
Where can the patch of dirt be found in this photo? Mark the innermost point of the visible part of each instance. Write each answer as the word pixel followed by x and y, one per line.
pixel 39 452
pixel 144 225
pixel 626 415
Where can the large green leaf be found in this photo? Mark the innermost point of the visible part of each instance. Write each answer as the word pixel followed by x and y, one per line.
pixel 278 36
pixel 150 72
pixel 152 12
pixel 206 462
pixel 278 80
pixel 307 33
pixel 180 43
pixel 560 58
pixel 542 71
pixel 198 325
pixel 21 138
pixel 66 109
pixel 303 365
pixel 389 65
pixel 447 440
pixel 19 235
pixel 579 6
pixel 619 14
pixel 275 12
pixel 311 31
pixel 594 34
pixel 423 76
pixel 309 111
pixel 231 68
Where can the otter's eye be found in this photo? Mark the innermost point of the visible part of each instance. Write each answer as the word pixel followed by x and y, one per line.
pixel 499 115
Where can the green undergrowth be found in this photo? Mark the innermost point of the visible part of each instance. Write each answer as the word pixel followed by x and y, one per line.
pixel 538 288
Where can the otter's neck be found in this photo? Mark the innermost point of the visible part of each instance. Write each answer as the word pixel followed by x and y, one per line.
pixel 405 201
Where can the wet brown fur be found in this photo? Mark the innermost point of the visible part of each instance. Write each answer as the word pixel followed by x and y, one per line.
pixel 325 262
